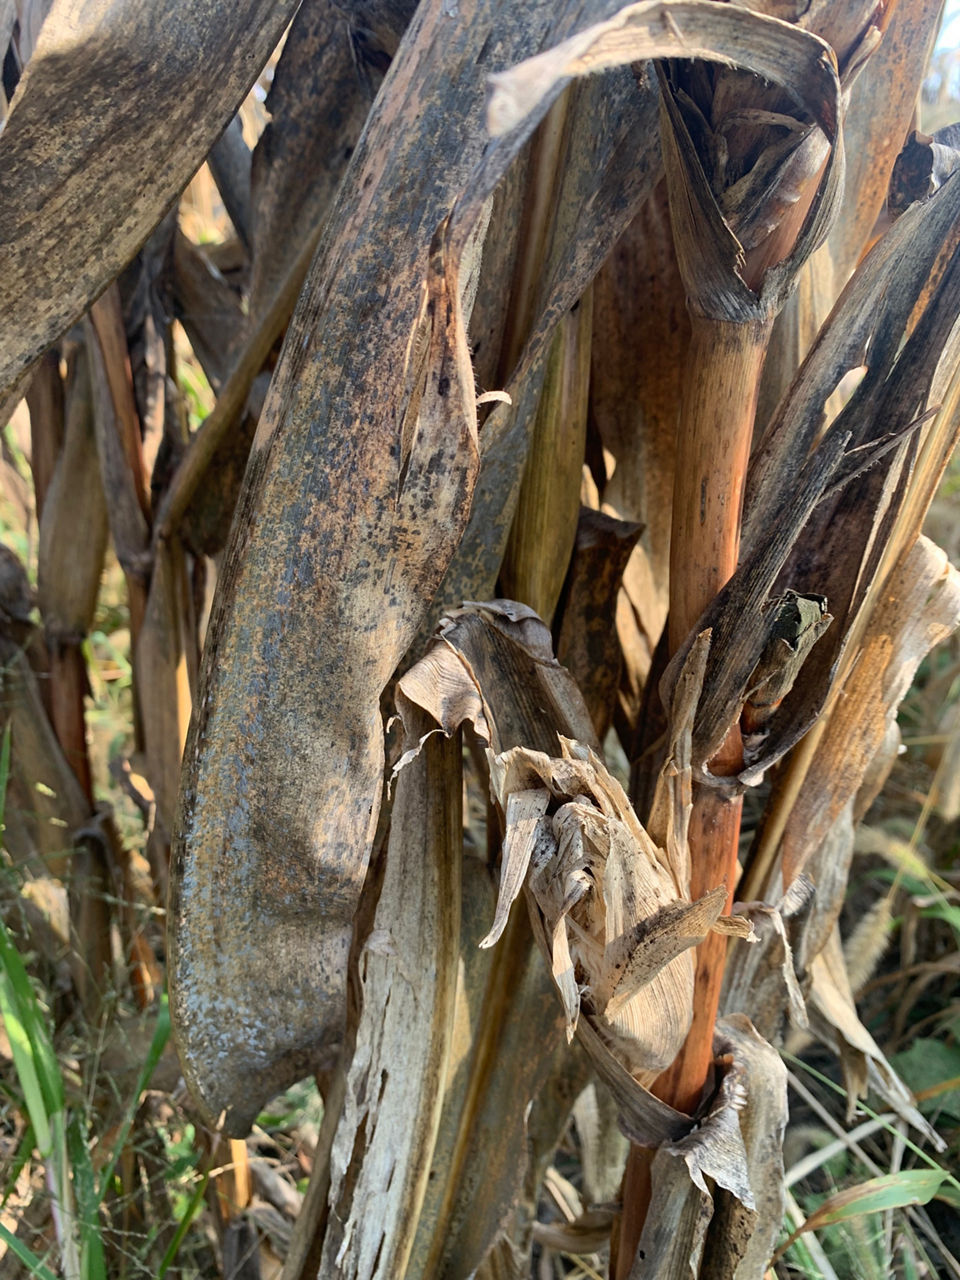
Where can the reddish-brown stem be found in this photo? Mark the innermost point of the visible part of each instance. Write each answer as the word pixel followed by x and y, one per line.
pixel 716 428
pixel 68 686
pixel 713 448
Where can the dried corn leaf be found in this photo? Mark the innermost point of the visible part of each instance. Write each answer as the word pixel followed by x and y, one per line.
pixel 229 162
pixel 725 1227
pixel 146 297
pixel 545 522
pixel 205 527
pixel 919 607
pixel 333 59
pixel 45 402
pixel 587 1233
pixel 16 598
pixel 763 981
pixel 75 203
pixel 163 686
pixel 641 333
pixel 208 308
pixel 69 568
pixel 345 592
pixel 382 1152
pixel 834 1019
pixel 603 1148
pixel 118 436
pixel 619 932
pixel 587 644
pixel 45 790
pixel 672 800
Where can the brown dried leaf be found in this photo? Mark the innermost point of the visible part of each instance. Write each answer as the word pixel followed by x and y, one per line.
pixel 75 199
pixel 45 794
pixel 641 334
pixel 229 162
pixel 69 568
pixel 324 84
pixel 920 606
pixel 209 309
pixel 588 645
pixel 356 563
pixel 163 684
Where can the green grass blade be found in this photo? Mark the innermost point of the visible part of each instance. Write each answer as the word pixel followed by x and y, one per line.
pixel 92 1261
pixel 161 1034
pixel 876 1195
pixel 26 1009
pixel 29 1259
pixel 16 1003
pixel 63 1201
pixel 24 1062
pixel 173 1248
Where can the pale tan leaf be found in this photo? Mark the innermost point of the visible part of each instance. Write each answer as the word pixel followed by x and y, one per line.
pixel 545 522
pixel 323 86
pixel 524 811
pixel 834 1018
pixel 762 981
pixel 618 932
pixel 603 1148
pixel 382 1152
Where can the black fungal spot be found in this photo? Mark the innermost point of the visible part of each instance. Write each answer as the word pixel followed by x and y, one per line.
pixel 443 386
